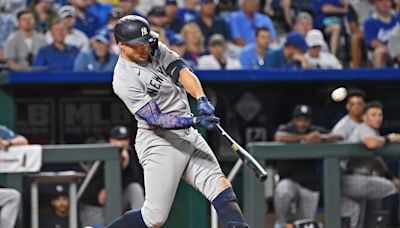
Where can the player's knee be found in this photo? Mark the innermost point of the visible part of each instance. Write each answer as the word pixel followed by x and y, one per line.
pixel 284 189
pixel 15 196
pixel 158 218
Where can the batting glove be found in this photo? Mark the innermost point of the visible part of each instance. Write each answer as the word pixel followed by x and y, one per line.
pixel 206 121
pixel 204 107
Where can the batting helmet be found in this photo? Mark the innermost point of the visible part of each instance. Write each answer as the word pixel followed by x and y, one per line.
pixel 133 30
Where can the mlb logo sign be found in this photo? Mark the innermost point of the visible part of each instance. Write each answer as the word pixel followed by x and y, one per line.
pixel 144 31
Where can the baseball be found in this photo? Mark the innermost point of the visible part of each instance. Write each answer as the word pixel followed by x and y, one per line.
pixel 339 94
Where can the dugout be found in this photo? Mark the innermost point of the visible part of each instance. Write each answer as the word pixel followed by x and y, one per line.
pixel 73 108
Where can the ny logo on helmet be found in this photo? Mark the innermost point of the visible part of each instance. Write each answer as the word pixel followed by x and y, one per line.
pixel 144 31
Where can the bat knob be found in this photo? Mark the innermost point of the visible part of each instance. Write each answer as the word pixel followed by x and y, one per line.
pixel 263 177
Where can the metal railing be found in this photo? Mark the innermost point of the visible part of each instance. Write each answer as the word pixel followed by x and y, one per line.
pixel 254 205
pixel 80 153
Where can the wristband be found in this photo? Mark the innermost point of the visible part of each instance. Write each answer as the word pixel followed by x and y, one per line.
pixel 388 175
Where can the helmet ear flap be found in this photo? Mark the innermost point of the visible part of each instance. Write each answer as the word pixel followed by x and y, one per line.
pixel 153 41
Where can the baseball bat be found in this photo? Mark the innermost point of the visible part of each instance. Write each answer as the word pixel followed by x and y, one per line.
pixel 247 159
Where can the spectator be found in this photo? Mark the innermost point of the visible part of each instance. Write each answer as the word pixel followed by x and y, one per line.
pixel 7 26
pixel 328 17
pixel 291 8
pixel 13 6
pixel 44 14
pixel 295 186
pixel 188 12
pixel 115 15
pixel 58 216
pixel 316 58
pixel 303 23
pixel 92 210
pixel 128 7
pixel 74 37
pixel 378 28
pixel 171 9
pixel 224 8
pixel 9 198
pixel 217 59
pixel 243 23
pixel 361 182
pixel 291 56
pixel 97 58
pixel 358 13
pixel 158 18
pixel 162 34
pixel 22 46
pixel 209 23
pixel 194 42
pixel 100 9
pixel 355 104
pixel 85 20
pixel 58 55
pixel 177 44
pixel 253 56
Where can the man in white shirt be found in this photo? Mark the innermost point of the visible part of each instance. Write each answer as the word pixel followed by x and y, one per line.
pixel 315 57
pixel 217 60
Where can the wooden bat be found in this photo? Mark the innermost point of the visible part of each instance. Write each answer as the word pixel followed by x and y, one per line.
pixel 247 159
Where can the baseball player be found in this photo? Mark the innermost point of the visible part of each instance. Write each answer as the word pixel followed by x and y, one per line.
pixel 153 81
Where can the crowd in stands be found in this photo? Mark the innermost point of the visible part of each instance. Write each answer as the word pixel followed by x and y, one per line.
pixel 247 34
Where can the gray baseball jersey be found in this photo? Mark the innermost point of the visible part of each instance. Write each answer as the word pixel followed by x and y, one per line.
pixel 165 155
pixel 344 127
pixel 137 84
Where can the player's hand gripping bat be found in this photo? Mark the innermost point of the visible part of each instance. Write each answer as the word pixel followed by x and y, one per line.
pixel 247 159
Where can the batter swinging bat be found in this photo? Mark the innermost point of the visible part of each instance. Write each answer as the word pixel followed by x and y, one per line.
pixel 245 156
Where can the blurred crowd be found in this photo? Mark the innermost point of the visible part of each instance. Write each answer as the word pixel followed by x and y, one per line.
pixel 77 35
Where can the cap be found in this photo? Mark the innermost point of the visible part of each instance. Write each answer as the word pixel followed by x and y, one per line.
pixel 296 39
pixel 304 16
pixel 57 190
pixel 216 39
pixel 102 36
pixel 66 11
pixel 119 132
pixel 302 110
pixel 157 11
pixel 177 40
pixel 171 2
pixel 315 38
pixel 116 13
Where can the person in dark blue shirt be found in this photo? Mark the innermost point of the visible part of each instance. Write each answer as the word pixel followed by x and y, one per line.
pixel 98 58
pixel 86 21
pixel 173 23
pixel 188 12
pixel 128 7
pixel 378 29
pixel 58 55
pixel 243 23
pixel 291 56
pixel 101 10
pixel 209 23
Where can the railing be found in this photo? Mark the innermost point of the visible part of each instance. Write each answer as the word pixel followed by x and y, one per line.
pixel 254 203
pixel 80 153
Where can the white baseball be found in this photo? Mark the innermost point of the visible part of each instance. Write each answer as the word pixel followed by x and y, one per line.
pixel 339 94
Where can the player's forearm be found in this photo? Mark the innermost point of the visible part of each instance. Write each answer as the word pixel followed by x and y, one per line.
pixel 374 142
pixel 331 138
pixel 191 83
pixel 151 113
pixel 289 138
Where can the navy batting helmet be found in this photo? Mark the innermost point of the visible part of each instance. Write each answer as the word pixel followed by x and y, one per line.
pixel 133 30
